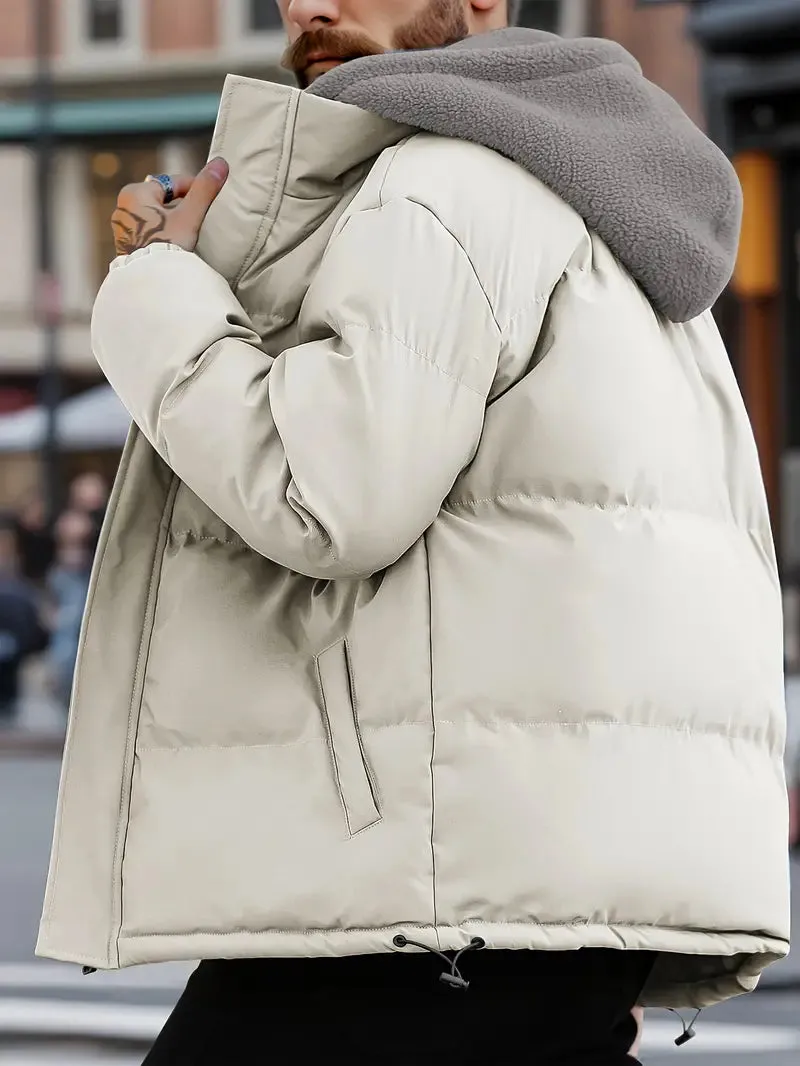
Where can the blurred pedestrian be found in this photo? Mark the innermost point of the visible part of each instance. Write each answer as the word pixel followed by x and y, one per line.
pixel 68 587
pixel 793 757
pixel 88 494
pixel 35 539
pixel 453 647
pixel 21 631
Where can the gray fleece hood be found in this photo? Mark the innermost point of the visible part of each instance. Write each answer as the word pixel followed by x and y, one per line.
pixel 581 117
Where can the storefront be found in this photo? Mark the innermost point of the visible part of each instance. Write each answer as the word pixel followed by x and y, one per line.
pixel 751 52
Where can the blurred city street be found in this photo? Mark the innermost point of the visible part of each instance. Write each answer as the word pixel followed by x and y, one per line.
pixel 51 1014
pixel 45 1002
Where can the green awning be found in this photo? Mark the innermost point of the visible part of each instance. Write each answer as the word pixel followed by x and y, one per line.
pixel 94 118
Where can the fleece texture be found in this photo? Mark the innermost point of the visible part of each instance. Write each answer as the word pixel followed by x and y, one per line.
pixel 581 117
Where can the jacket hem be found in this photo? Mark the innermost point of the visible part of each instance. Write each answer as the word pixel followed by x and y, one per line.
pixel 742 956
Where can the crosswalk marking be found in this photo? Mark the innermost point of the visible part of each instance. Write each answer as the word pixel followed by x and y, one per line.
pixel 165 977
pixel 99 1021
pixel 31 1055
pixel 714 1038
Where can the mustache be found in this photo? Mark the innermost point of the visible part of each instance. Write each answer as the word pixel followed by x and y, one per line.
pixel 333 44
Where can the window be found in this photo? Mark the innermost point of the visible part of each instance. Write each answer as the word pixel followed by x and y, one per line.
pixel 104 21
pixel 251 28
pixel 541 14
pixel 570 18
pixel 102 34
pixel 263 15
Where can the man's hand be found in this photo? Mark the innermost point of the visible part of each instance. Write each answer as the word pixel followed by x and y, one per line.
pixel 142 217
pixel 638 1014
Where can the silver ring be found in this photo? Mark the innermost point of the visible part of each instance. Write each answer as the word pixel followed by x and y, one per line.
pixel 166 183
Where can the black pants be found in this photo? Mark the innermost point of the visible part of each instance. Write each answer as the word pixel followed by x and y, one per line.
pixel 569 1008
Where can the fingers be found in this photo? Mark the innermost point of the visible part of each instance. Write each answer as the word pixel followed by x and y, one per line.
pixel 142 216
pixel 151 191
pixel 198 193
pixel 205 188
pixel 181 183
pixel 141 192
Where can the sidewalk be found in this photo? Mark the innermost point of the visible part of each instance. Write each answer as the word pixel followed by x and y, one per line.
pixel 46 1001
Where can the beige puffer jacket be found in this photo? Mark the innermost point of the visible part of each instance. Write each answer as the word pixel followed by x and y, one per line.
pixel 459 614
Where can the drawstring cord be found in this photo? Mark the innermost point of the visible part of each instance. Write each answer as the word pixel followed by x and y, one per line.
pixel 689 1031
pixel 452 976
pixel 455 979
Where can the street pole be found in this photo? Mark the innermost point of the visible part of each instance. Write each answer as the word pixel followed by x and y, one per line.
pixel 48 292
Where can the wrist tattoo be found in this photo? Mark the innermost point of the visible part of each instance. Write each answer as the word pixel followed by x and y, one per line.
pixel 132 231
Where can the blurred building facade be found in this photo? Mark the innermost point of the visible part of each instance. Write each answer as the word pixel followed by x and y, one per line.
pixel 137 84
pixel 752 88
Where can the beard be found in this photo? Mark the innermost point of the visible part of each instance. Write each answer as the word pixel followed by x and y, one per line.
pixel 441 22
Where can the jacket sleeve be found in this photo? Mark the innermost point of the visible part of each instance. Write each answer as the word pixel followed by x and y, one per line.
pixel 335 457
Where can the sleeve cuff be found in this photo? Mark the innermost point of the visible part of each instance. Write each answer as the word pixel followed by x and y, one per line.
pixel 151 249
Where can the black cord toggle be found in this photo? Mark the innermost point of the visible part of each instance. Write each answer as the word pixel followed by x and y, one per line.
pixel 689 1031
pixel 452 977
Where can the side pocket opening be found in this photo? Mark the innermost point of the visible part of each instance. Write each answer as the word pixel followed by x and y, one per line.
pixel 353 781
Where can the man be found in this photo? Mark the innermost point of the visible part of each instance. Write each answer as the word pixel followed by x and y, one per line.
pixel 88 494
pixel 67 588
pixel 21 631
pixel 436 627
